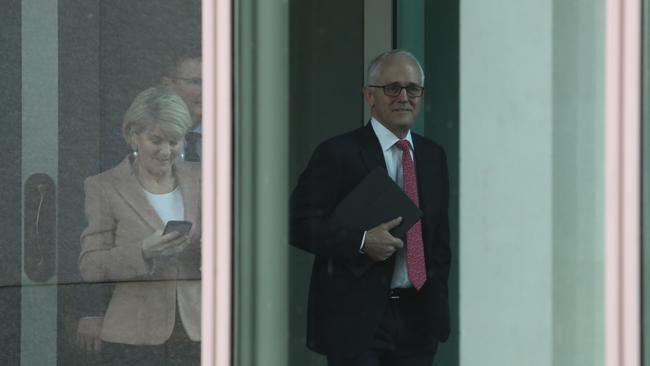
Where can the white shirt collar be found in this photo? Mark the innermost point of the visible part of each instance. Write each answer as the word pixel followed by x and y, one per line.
pixel 387 139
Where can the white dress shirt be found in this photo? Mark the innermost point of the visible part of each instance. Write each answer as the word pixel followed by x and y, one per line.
pixel 393 158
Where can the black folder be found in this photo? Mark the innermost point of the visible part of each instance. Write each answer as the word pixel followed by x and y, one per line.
pixel 377 199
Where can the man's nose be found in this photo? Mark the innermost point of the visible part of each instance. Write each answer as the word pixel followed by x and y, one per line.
pixel 402 96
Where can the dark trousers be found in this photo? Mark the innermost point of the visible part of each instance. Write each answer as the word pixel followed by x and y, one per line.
pixel 178 350
pixel 401 339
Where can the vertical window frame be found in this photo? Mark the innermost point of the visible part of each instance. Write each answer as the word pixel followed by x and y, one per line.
pixel 622 183
pixel 217 168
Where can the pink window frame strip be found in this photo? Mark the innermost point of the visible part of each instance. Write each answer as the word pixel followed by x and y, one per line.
pixel 217 183
pixel 622 183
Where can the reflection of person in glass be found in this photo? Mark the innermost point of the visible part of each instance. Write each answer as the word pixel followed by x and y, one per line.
pixel 376 299
pixel 153 316
pixel 182 75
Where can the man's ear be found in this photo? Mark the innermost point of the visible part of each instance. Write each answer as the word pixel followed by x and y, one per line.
pixel 369 97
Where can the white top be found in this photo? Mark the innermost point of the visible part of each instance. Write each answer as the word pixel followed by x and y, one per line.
pixel 393 157
pixel 169 206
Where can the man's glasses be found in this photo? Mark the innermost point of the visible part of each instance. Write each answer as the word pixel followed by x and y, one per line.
pixel 192 81
pixel 395 89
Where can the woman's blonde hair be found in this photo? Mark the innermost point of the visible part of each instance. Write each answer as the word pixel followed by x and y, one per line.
pixel 157 106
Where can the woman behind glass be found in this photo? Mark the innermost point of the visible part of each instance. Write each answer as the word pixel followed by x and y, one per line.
pixel 153 316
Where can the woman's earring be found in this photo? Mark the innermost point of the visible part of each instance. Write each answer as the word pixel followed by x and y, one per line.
pixel 135 152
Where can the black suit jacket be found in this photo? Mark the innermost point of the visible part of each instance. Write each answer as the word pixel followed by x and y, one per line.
pixel 347 298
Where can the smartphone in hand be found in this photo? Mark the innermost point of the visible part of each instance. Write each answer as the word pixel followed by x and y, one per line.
pixel 182 227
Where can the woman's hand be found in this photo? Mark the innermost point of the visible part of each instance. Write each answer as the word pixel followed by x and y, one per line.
pixel 158 245
pixel 88 335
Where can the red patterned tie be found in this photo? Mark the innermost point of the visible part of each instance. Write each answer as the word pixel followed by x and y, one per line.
pixel 414 245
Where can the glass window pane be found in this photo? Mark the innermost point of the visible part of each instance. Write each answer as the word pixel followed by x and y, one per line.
pixel 86 272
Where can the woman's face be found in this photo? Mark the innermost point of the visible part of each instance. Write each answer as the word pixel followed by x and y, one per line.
pixel 156 152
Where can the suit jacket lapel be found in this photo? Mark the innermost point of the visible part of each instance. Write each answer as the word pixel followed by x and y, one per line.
pixel 424 178
pixel 371 152
pixel 426 185
pixel 127 186
pixel 372 157
pixel 189 189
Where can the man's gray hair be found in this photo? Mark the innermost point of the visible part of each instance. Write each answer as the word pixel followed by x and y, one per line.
pixel 375 65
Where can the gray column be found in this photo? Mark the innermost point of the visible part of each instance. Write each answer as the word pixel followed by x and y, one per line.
pixel 261 183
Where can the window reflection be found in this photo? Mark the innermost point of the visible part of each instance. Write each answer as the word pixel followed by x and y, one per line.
pixel 154 310
pixel 97 56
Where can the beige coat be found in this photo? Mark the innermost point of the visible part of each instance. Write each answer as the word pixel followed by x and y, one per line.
pixel 142 308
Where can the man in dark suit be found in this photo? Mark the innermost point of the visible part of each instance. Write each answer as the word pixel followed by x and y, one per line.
pixel 183 77
pixel 394 311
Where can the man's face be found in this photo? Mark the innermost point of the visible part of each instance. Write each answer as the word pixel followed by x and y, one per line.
pixel 395 113
pixel 187 84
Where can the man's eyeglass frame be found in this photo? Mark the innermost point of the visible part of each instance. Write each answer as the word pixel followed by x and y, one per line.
pixel 193 81
pixel 419 90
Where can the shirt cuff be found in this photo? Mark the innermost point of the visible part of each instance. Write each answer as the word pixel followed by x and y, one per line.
pixel 363 241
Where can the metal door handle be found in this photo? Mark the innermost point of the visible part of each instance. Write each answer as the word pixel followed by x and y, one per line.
pixel 39 227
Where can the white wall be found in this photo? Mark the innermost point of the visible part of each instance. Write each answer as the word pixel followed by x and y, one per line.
pixel 531 183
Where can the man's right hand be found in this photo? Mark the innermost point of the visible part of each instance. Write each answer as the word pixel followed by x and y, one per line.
pixel 380 244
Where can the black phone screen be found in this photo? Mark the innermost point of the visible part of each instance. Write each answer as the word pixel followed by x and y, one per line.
pixel 182 227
